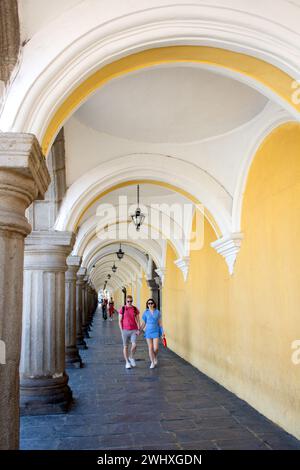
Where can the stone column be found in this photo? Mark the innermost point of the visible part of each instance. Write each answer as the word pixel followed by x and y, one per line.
pixel 23 178
pixel 73 358
pixel 44 383
pixel 81 344
pixel 155 291
pixel 90 309
pixel 92 303
pixel 85 325
pixel 95 301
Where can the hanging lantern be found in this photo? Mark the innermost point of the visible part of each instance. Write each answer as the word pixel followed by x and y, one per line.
pixel 120 253
pixel 114 268
pixel 138 217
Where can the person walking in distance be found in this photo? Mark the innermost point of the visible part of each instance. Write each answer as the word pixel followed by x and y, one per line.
pixel 129 323
pixel 104 309
pixel 152 325
pixel 111 308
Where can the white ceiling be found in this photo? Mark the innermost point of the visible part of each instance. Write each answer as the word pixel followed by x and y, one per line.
pixel 170 104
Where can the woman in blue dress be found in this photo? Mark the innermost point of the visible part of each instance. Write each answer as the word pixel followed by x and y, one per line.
pixel 152 325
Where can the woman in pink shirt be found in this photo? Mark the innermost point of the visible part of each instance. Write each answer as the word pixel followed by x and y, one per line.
pixel 129 323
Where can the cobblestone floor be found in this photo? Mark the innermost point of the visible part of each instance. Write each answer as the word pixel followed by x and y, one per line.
pixel 171 407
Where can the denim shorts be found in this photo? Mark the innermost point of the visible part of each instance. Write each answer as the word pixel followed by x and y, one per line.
pixel 128 335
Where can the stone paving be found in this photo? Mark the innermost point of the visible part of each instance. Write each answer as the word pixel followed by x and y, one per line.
pixel 171 407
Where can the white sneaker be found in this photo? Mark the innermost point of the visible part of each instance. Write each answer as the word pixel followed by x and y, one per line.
pixel 155 361
pixel 132 362
pixel 128 366
pixel 152 365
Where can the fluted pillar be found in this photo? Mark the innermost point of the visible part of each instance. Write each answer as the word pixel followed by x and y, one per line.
pixel 81 344
pixel 89 305
pixel 44 383
pixel 73 358
pixel 85 324
pixel 23 178
pixel 95 301
pixel 155 291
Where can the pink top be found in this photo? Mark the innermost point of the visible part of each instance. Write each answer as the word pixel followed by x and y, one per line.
pixel 129 318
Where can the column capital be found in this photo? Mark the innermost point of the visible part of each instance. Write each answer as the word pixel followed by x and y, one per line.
pixel 22 153
pixel 74 260
pixel 48 250
pixel 23 177
pixel 51 237
pixel 80 276
pixel 81 272
pixel 73 264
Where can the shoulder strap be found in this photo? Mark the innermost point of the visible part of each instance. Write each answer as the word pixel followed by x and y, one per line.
pixel 123 310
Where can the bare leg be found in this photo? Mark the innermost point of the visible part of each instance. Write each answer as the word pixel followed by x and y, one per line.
pixel 155 348
pixel 125 353
pixel 133 349
pixel 150 348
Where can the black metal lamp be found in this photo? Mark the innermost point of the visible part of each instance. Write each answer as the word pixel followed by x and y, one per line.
pixel 120 253
pixel 138 217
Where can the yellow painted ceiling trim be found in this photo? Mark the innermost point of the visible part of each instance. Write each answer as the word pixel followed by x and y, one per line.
pixel 184 193
pixel 259 70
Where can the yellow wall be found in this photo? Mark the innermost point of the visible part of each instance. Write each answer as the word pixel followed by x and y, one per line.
pixel 118 297
pixel 239 329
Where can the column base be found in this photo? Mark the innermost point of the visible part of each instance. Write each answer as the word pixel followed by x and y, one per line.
pixel 73 359
pixel 45 395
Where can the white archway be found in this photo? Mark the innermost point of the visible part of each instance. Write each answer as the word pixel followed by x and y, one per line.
pixel 131 251
pixel 54 64
pixel 91 229
pixel 160 169
pixel 151 247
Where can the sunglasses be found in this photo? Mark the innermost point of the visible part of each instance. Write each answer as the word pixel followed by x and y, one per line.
pixel 129 301
pixel 150 303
